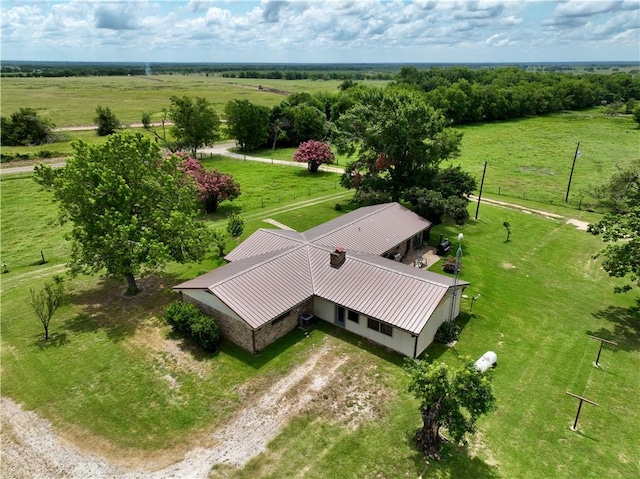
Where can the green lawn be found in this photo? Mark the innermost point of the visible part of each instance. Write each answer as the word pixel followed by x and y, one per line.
pixel 541 295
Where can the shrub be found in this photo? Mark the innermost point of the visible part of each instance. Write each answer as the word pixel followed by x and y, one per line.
pixel 106 121
pixel 447 332
pixel 25 127
pixel 186 319
pixel 206 333
pixel 180 315
pixel 338 207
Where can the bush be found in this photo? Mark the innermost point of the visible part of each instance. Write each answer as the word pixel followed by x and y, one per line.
pixel 180 315
pixel 24 128
pixel 186 319
pixel 338 207
pixel 447 332
pixel 106 121
pixel 206 333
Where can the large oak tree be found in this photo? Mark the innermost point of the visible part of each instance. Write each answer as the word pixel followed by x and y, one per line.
pixel 399 140
pixel 450 397
pixel 132 210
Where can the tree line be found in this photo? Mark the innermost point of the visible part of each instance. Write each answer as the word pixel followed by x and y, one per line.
pixel 468 95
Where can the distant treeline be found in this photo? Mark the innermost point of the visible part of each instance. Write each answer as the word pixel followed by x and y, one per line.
pixel 484 94
pixel 292 71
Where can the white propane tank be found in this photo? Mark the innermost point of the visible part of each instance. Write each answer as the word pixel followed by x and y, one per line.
pixel 487 360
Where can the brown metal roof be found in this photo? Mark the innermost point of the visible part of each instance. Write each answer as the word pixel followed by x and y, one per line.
pixel 262 283
pixel 265 241
pixel 265 290
pixel 393 292
pixel 372 229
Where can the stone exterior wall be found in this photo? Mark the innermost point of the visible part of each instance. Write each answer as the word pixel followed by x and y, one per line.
pixel 271 331
pixel 232 329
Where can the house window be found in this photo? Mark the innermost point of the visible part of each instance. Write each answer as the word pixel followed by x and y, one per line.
pixel 353 316
pixel 386 329
pixel 378 326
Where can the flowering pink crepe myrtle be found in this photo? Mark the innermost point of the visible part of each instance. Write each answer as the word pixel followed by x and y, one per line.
pixel 314 153
pixel 213 186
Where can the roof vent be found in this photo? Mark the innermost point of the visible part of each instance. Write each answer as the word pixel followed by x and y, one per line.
pixel 338 257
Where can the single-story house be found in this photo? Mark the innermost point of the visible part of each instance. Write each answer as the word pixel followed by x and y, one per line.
pixel 345 271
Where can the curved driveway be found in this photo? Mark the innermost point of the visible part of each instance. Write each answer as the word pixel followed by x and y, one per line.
pixel 221 149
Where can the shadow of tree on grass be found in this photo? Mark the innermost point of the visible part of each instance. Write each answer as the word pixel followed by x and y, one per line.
pixel 106 307
pixel 456 461
pixel 623 326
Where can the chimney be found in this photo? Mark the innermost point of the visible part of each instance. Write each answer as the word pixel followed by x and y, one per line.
pixel 337 257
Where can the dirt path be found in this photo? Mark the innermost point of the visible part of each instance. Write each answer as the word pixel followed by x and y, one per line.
pixel 31 449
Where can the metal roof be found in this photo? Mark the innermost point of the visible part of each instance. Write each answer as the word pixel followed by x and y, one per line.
pixel 265 241
pixel 372 229
pixel 261 284
pixel 396 293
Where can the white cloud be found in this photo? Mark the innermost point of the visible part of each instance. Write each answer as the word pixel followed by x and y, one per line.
pixel 223 30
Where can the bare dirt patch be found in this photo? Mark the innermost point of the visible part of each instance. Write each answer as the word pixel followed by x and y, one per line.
pixel 31 448
pixel 581 225
pixel 508 266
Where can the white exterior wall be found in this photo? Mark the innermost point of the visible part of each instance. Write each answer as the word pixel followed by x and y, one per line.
pixel 400 341
pixel 210 300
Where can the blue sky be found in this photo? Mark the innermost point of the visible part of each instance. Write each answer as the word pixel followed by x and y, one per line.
pixel 321 31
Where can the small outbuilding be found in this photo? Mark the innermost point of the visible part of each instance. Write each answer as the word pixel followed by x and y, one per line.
pixel 342 272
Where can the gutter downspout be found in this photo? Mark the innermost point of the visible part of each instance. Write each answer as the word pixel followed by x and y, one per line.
pixel 415 346
pixel 253 340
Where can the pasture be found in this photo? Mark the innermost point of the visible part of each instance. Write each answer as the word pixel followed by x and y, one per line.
pixel 72 101
pixel 115 377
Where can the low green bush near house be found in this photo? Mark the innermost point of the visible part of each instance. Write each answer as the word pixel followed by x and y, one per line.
pixel 186 319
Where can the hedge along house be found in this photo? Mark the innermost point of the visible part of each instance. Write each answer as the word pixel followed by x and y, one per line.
pixel 340 272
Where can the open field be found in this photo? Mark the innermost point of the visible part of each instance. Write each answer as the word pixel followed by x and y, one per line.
pixel 115 377
pixel 531 158
pixel 528 158
pixel 73 101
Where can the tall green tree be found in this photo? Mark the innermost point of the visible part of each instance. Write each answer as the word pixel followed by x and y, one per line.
pixel 195 122
pixel 106 120
pixel 131 210
pixel 621 229
pixel 247 123
pixel 450 397
pixel 398 140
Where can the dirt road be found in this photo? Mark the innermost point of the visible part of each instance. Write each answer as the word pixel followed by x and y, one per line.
pixel 31 448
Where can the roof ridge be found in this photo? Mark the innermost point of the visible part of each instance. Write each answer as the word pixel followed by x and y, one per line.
pixel 269 256
pixel 360 218
pixel 358 257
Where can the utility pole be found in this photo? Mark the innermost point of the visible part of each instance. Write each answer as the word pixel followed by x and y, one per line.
pixel 575 157
pixel 455 277
pixel 481 185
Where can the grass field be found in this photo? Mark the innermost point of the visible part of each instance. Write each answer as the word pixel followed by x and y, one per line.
pixel 103 379
pixel 73 101
pixel 531 158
